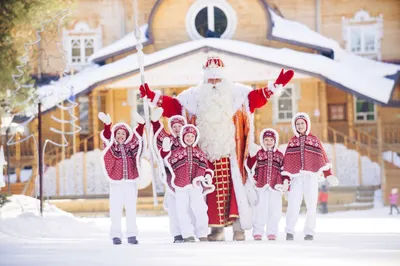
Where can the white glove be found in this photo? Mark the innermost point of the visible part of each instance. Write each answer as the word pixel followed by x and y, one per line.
pixel 251 193
pixel 333 180
pixel 285 186
pixel 166 144
pixel 156 114
pixel 253 149
pixel 208 178
pixel 276 89
pixel 138 118
pixel 105 118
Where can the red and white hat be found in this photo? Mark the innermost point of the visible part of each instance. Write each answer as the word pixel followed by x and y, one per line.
pixel 306 119
pixel 189 129
pixel 269 132
pixel 214 68
pixel 176 119
pixel 125 127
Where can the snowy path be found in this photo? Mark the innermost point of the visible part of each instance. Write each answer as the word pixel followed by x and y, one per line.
pixel 354 238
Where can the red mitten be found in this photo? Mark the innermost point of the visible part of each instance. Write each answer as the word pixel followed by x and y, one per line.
pixel 150 94
pixel 142 91
pixel 284 77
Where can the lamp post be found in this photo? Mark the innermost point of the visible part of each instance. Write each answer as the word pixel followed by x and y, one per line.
pixel 6 120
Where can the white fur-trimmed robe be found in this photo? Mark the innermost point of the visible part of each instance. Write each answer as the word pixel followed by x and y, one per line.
pixel 189 101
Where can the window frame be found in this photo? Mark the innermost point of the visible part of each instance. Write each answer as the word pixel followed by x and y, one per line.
pixel 355 112
pixel 210 4
pixel 81 32
pixel 294 105
pixel 344 105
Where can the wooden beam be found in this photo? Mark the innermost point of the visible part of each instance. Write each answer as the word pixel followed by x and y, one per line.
pixel 18 157
pixel 95 121
pixel 350 115
pixel 323 108
pixel 110 104
pixel 380 150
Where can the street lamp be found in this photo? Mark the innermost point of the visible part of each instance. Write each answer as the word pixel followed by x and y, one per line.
pixel 6 120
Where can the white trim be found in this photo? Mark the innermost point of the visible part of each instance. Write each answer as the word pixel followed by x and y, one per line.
pixel 221 4
pixel 365 113
pixel 276 104
pixel 170 126
pixel 112 141
pixel 276 145
pixel 294 124
pixel 181 135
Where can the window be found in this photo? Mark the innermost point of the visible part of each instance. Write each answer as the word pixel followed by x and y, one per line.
pixel 363 40
pixel 337 112
pixel 365 111
pixel 84 114
pixel 80 43
pixel 136 103
pixel 363 34
pixel 285 105
pixel 211 19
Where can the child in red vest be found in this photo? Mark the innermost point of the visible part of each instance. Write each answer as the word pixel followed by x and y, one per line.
pixel 175 123
pixel 192 180
pixel 121 164
pixel 264 170
pixel 305 162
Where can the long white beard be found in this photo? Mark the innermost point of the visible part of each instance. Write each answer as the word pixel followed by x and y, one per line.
pixel 214 120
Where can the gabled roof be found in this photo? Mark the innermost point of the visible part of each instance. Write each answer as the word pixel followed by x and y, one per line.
pixel 299 34
pixel 126 44
pixel 342 74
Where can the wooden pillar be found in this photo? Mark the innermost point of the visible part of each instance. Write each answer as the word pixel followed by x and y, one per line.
pixel 84 167
pixel 380 150
pixel 358 149
pixel 57 174
pixel 110 104
pixel 323 108
pixel 350 115
pixel 18 157
pixel 95 120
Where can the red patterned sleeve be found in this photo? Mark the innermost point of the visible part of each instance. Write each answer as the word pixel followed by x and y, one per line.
pixel 258 98
pixel 329 171
pixel 107 131
pixel 163 134
pixel 251 161
pixel 164 153
pixel 140 129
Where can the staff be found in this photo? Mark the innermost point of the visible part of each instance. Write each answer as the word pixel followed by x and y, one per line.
pixel 140 55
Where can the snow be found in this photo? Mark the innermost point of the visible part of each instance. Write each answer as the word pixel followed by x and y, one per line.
pixel 25 175
pixel 345 74
pixel 366 238
pixel 391 157
pixel 125 43
pixel 295 31
pixel 21 218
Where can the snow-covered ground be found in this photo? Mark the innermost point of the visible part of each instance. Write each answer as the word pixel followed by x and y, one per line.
pixel 349 238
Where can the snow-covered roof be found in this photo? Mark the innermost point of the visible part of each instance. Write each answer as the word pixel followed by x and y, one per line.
pixel 301 34
pixel 343 75
pixel 127 43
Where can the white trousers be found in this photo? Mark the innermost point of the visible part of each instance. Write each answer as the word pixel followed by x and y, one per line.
pixel 123 194
pixel 268 211
pixel 306 185
pixel 173 215
pixel 191 198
